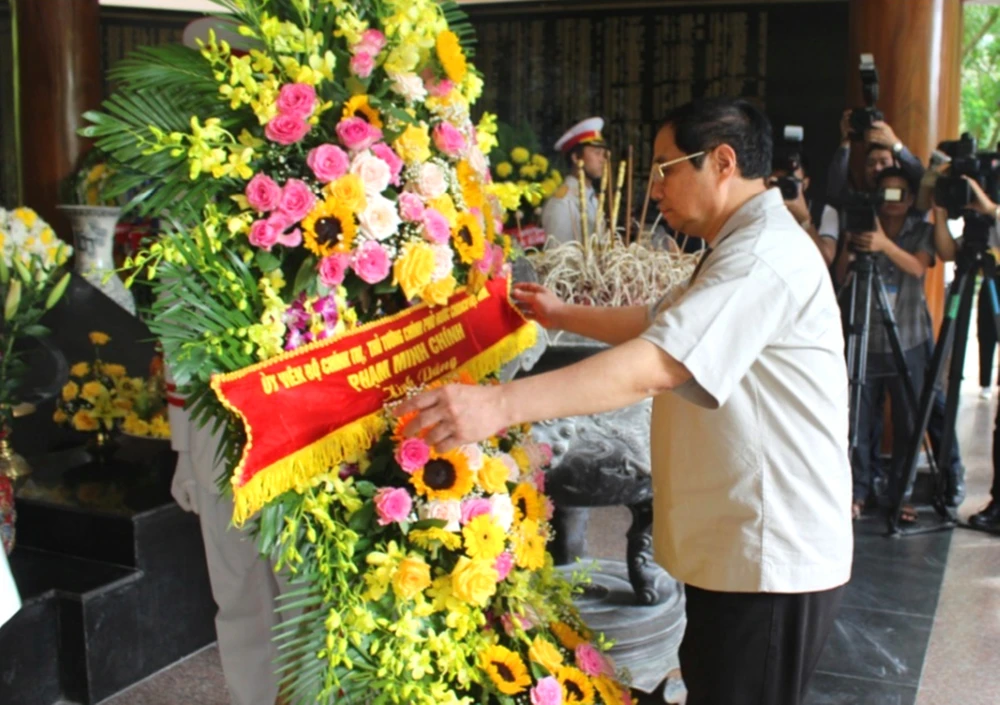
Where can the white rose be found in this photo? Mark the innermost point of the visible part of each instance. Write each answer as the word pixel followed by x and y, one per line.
pixel 449 511
pixel 502 511
pixel 515 471
pixel 472 452
pixel 380 219
pixel 409 85
pixel 431 182
pixel 443 266
pixel 374 173
pixel 477 161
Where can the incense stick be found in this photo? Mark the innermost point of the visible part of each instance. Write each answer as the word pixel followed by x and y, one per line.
pixel 618 201
pixel 645 206
pixel 581 177
pixel 628 214
pixel 598 219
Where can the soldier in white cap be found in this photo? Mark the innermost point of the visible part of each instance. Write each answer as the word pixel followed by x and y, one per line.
pixel 583 146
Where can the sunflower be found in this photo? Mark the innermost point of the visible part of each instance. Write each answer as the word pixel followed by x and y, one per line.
pixel 528 503
pixel 360 106
pixel 450 54
pixel 529 546
pixel 610 692
pixel 507 671
pixel 470 184
pixel 577 688
pixel 445 476
pixel 329 229
pixel 483 538
pixel 468 238
pixel 566 635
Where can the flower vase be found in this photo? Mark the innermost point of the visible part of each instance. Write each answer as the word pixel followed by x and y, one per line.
pixel 94 241
pixel 12 464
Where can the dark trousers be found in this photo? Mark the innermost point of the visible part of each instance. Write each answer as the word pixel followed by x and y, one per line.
pixel 987 333
pixel 754 648
pixel 995 489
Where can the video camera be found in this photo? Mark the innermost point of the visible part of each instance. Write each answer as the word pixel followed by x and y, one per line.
pixel 860 210
pixel 954 193
pixel 862 119
pixel 788 158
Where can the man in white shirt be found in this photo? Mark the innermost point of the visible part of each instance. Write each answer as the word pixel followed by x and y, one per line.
pixel 751 477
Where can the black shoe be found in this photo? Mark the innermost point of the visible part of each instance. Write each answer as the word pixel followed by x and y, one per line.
pixel 988 519
pixel 956 494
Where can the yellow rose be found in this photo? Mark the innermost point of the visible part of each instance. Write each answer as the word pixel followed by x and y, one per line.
pixel 92 391
pixel 493 476
pixel 70 391
pixel 113 370
pixel 545 654
pixel 348 193
pixel 446 207
pixel 520 457
pixel 519 155
pixel 412 577
pixel 439 292
pixel 413 271
pixel 505 169
pixel 99 338
pixel 80 369
pixel 84 421
pixel 413 146
pixel 60 416
pixel 474 581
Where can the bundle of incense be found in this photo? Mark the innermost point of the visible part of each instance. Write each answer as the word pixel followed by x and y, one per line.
pixel 605 179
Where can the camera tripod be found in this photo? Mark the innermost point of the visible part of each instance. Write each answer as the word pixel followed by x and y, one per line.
pixel 973 258
pixel 866 280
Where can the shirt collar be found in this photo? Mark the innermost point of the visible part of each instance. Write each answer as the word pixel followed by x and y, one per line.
pixel 749 212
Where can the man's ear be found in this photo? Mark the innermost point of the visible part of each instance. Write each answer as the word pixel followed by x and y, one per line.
pixel 725 160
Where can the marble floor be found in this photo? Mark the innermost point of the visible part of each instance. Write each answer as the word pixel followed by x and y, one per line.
pixel 920 624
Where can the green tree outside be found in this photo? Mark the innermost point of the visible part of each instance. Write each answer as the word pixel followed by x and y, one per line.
pixel 981 74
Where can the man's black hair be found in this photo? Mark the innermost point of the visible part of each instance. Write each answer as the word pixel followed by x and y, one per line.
pixel 706 123
pixel 895 172
pixel 878 146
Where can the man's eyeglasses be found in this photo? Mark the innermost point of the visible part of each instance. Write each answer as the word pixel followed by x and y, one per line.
pixel 660 170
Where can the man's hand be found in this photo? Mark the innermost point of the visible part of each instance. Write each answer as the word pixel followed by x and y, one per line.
pixel 981 203
pixel 881 133
pixel 539 304
pixel 874 241
pixel 455 415
pixel 845 127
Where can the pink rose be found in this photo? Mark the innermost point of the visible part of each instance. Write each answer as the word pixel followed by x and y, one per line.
pixel 548 691
pixel 393 505
pixel 357 134
pixel 431 181
pixel 291 239
pixel 286 129
pixel 538 480
pixel 385 153
pixel 550 509
pixel 436 228
pixel 504 564
pixel 591 661
pixel 449 140
pixel 297 100
pixel 412 455
pixel 436 88
pixel 371 262
pixel 449 511
pixel 297 200
pixel 332 270
pixel 472 452
pixel 362 64
pixel 328 162
pixel 374 172
pixel 262 193
pixel 267 233
pixel 411 208
pixel 471 508
pixel 485 263
pixel 372 42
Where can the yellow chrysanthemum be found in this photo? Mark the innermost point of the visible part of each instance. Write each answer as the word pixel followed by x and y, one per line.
pixel 528 503
pixel 329 229
pixel 577 688
pixel 504 169
pixel 437 293
pixel 506 670
pixel 520 155
pixel 493 476
pixel 541 162
pixel 59 416
pixel 484 538
pixel 414 268
pixel 467 237
pixel 113 370
pixel 92 391
pixel 414 145
pixel 545 654
pixel 80 369
pixel 84 421
pixel 70 391
pixel 529 546
pixel 452 57
pixel 429 539
pixel 159 427
pixel 566 635
pixel 445 476
pixel 611 693
pixel 347 193
pixel 99 338
pixel 360 106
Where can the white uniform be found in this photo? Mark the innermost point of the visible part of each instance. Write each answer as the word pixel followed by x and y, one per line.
pixel 10 601
pixel 561 213
pixel 243 583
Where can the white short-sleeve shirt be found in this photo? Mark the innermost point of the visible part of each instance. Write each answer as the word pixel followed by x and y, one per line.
pixel 829 223
pixel 752 481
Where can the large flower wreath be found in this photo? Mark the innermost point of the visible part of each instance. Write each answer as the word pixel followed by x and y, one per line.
pixel 326 176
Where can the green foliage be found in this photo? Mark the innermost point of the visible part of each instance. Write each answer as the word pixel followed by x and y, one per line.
pixel 981 74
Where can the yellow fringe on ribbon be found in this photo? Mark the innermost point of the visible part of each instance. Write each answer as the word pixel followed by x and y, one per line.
pixel 348 443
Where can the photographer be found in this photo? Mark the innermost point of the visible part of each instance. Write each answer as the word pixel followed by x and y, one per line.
pixel 903 247
pixel 794 184
pixel 989 518
pixel 882 149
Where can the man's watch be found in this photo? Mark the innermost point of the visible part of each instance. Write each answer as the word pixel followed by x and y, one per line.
pixel 897 148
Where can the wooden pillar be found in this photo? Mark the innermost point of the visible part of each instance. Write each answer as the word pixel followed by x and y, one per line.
pixel 58 65
pixel 917 48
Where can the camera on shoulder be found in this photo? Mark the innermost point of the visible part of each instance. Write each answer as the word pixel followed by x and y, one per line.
pixel 788 160
pixel 954 193
pixel 863 119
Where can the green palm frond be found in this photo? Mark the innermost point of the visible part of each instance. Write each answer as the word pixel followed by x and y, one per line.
pixel 458 22
pixel 169 67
